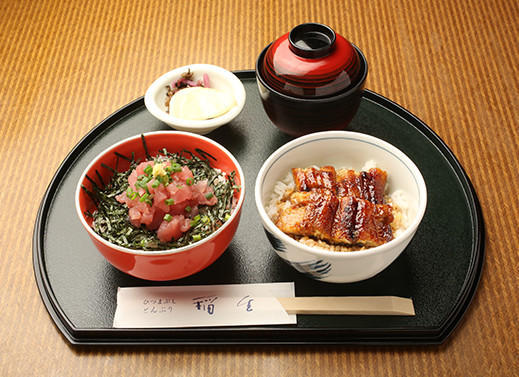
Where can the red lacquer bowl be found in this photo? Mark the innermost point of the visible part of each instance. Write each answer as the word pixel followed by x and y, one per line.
pixel 311 80
pixel 164 264
pixel 311 61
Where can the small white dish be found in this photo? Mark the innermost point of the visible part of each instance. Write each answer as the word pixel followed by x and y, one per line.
pixel 347 150
pixel 219 78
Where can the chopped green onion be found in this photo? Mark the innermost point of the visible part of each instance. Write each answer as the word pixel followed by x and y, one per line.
pixel 195 220
pixel 148 169
pixel 209 195
pixel 169 201
pixel 129 191
pixel 197 237
pixel 142 183
pixel 144 197
pixel 176 168
pixel 187 209
pixel 189 181
pixel 168 217
pixel 205 219
pixel 155 184
pixel 164 179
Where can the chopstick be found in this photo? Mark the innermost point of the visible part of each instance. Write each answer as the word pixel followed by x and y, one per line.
pixel 361 305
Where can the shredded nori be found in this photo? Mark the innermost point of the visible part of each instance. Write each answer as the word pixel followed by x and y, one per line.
pixel 111 220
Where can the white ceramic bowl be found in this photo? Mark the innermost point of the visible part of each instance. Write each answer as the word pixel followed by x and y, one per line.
pixel 347 150
pixel 219 78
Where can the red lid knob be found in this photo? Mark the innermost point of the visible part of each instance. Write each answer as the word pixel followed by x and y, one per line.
pixel 311 61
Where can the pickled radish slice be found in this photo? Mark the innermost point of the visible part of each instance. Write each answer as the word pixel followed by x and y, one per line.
pixel 199 103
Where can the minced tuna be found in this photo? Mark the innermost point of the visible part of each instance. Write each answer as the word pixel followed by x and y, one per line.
pixel 164 197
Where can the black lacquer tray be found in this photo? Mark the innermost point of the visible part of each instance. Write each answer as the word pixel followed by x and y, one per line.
pixel 440 268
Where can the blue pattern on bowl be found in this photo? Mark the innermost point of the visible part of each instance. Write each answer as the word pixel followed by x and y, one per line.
pixel 277 244
pixel 317 269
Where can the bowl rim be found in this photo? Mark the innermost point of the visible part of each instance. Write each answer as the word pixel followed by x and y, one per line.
pixel 179 250
pixel 153 107
pixel 330 98
pixel 276 155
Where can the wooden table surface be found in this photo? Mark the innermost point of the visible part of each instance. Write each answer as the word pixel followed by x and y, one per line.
pixel 67 65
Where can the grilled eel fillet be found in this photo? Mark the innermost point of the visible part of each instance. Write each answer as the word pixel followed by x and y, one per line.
pixel 368 185
pixel 340 207
pixel 348 220
pixel 312 178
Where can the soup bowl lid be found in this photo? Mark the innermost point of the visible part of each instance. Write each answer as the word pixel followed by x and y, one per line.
pixel 311 61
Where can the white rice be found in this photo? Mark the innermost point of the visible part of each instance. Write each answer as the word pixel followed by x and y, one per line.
pixel 276 198
pixel 370 164
pixel 397 199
